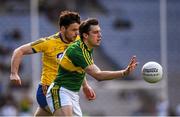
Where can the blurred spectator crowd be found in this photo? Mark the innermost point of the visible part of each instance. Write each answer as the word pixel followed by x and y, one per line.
pixel 9 105
pixel 16 100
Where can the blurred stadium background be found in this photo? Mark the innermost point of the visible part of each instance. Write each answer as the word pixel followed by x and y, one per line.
pixel 149 29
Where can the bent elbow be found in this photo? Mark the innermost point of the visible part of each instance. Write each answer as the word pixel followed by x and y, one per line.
pixel 17 51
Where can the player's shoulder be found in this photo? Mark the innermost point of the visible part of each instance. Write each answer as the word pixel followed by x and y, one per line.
pixel 52 37
pixel 74 47
pixel 44 40
pixel 76 44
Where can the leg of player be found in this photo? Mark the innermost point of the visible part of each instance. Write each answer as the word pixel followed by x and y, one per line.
pixel 42 112
pixel 63 102
pixel 43 109
pixel 64 111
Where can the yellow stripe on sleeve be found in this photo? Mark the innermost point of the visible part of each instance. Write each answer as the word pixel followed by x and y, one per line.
pixel 85 55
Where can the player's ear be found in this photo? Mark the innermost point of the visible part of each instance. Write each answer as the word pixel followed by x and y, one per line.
pixel 85 35
pixel 62 29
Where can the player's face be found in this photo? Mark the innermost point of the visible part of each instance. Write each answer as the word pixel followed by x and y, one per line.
pixel 94 36
pixel 71 32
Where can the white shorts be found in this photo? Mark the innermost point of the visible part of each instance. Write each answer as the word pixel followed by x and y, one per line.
pixel 58 97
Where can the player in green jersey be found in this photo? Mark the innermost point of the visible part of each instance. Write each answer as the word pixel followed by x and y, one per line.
pixel 62 95
pixel 52 48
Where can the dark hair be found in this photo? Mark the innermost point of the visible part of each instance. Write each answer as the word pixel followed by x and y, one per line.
pixel 67 17
pixel 86 25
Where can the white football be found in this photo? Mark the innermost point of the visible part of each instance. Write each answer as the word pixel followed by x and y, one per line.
pixel 152 72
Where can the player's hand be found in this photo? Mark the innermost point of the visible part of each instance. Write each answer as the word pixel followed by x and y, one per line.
pixel 15 79
pixel 89 93
pixel 132 65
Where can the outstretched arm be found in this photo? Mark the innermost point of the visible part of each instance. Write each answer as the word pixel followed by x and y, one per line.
pixel 88 91
pixel 99 75
pixel 16 60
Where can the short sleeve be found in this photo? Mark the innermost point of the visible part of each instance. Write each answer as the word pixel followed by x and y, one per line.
pixel 39 45
pixel 79 57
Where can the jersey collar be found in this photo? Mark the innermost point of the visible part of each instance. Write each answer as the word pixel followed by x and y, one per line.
pixel 62 39
pixel 88 49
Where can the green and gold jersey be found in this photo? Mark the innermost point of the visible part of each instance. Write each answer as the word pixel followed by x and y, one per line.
pixel 52 49
pixel 71 69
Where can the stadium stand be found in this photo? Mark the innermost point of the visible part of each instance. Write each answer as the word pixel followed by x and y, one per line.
pixel 129 27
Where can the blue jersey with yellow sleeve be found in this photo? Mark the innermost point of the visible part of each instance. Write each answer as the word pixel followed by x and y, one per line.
pixel 71 69
pixel 52 49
